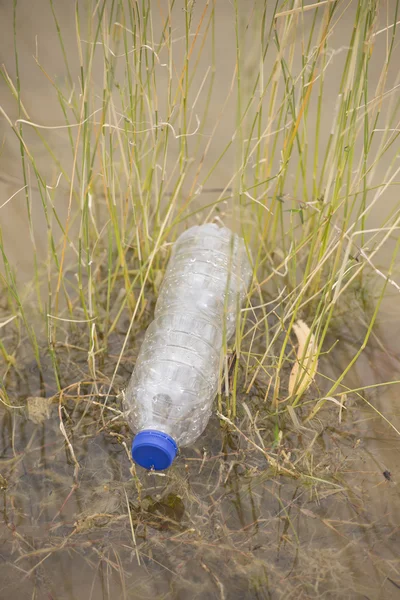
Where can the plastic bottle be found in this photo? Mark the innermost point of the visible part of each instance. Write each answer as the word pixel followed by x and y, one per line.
pixel 169 397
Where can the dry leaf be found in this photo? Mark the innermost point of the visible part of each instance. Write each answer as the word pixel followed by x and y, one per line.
pixel 38 409
pixel 306 364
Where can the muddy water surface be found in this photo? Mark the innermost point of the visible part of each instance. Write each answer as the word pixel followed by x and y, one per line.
pixel 222 523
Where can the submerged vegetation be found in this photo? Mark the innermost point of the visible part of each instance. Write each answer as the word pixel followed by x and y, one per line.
pixel 280 120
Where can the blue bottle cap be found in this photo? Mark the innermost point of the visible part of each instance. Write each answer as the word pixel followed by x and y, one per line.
pixel 152 449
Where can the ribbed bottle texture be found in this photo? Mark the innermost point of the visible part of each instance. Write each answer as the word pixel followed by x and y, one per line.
pixel 175 379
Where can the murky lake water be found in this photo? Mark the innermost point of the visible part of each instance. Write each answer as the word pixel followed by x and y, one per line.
pixel 221 523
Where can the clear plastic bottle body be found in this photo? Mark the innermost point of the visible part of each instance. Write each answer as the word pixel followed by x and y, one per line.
pixel 175 379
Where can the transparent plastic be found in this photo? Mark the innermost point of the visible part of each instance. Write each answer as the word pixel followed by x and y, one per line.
pixel 175 379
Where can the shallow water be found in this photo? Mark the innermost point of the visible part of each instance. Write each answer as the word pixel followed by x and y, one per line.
pixel 221 523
